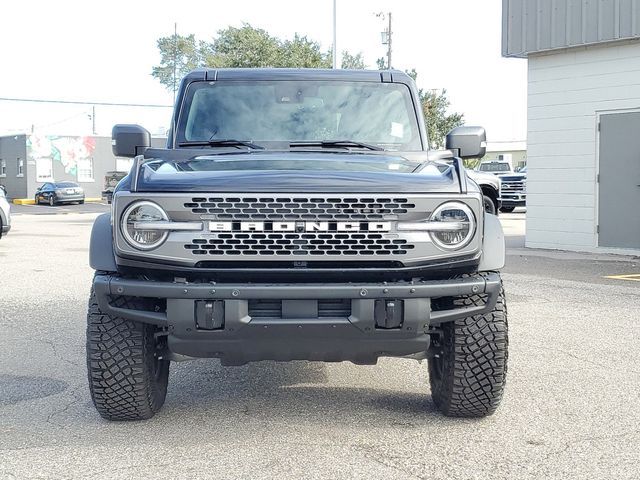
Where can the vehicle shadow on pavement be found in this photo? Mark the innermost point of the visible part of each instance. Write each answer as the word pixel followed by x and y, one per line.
pixel 286 390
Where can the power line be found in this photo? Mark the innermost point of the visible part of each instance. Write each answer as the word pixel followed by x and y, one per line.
pixel 72 102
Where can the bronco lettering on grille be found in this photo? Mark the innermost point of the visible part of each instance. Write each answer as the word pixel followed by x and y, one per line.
pixel 299 226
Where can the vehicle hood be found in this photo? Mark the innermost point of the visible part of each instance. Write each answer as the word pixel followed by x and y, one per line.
pixel 513 177
pixel 300 171
pixel 484 178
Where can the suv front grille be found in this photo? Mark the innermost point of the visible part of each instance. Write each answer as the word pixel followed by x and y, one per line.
pixel 284 244
pixel 296 208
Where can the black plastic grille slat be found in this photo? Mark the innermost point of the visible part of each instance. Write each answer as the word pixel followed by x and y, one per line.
pixel 260 244
pixel 296 208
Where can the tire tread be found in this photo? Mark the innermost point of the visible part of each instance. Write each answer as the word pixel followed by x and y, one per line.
pixel 121 378
pixel 475 355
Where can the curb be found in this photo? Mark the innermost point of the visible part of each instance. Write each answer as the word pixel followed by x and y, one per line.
pixel 31 201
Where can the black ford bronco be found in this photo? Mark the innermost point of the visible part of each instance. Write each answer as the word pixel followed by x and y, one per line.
pixel 296 215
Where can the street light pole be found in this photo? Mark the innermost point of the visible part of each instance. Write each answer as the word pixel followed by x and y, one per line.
pixel 389 45
pixel 335 45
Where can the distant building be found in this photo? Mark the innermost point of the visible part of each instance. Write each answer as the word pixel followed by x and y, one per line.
pixel 28 161
pixel 583 141
pixel 513 152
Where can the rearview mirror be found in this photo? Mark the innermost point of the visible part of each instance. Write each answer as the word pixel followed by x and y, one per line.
pixel 129 140
pixel 467 142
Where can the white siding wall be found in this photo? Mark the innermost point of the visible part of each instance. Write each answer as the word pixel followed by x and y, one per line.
pixel 566 90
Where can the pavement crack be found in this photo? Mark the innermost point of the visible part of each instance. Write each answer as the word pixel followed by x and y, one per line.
pixel 67 406
pixel 371 453
pixel 58 356
pixel 576 441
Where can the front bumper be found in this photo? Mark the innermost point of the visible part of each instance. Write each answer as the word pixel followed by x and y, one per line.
pixel 69 198
pixel 513 200
pixel 296 331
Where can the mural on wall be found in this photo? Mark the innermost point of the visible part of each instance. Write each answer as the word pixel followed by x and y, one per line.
pixel 66 150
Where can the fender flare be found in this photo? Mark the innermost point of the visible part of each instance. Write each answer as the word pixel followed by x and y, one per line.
pixel 101 256
pixel 493 245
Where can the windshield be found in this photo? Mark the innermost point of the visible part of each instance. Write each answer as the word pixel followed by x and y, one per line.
pixel 271 113
pixel 495 167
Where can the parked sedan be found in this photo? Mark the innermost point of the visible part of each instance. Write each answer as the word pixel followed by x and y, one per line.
pixel 60 192
pixel 5 215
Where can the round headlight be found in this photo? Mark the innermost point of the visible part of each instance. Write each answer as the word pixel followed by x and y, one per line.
pixel 461 228
pixel 133 220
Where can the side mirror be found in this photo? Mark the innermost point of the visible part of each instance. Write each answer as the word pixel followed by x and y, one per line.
pixel 129 140
pixel 467 142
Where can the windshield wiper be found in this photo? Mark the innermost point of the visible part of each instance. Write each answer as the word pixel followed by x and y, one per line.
pixel 226 142
pixel 336 143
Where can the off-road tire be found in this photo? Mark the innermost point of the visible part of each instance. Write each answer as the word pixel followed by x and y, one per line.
pixel 507 209
pixel 488 205
pixel 127 379
pixel 468 374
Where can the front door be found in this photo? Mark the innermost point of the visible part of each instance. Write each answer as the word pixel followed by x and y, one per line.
pixel 619 187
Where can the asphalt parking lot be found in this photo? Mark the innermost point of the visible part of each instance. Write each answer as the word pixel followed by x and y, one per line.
pixel 570 410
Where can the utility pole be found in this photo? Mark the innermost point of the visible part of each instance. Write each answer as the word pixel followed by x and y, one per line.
pixel 93 119
pixel 386 37
pixel 335 45
pixel 175 57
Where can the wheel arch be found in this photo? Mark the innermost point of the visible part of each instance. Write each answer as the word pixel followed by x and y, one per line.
pixel 492 193
pixel 101 255
pixel 493 245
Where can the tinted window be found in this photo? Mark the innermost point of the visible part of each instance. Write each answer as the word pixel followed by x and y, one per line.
pixel 67 185
pixel 495 167
pixel 290 111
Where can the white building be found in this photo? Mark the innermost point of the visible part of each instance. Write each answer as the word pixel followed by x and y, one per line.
pixel 583 145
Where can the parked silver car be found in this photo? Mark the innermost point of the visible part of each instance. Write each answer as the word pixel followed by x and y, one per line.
pixel 5 215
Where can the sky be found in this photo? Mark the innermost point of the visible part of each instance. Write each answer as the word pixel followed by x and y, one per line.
pixel 103 51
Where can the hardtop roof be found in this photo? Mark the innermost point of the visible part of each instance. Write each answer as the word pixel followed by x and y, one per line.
pixel 213 74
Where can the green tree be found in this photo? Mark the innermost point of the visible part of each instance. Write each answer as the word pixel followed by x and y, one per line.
pixel 353 62
pixel 236 47
pixel 184 51
pixel 435 106
pixel 243 47
pixel 303 53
